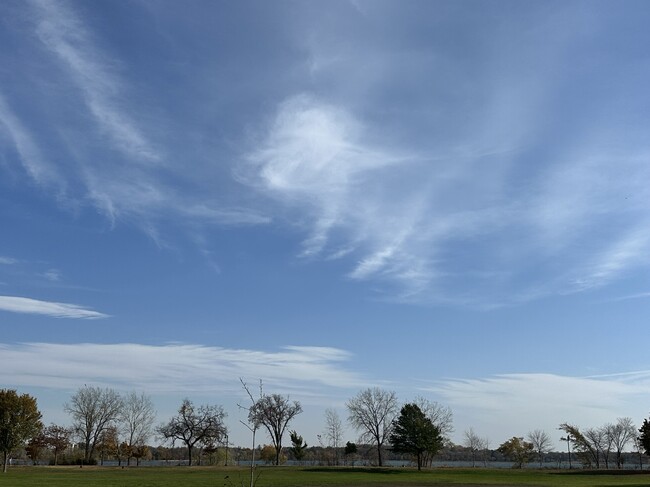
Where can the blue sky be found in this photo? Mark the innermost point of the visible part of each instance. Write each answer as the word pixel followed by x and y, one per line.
pixel 446 199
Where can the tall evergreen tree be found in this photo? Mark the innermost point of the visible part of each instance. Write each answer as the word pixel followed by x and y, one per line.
pixel 298 446
pixel 644 436
pixel 414 433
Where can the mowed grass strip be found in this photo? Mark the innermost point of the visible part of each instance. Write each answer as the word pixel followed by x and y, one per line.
pixel 310 477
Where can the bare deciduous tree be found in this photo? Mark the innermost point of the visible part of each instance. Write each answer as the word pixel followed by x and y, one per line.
pixel 372 412
pixel 608 445
pixel 252 424
pixel 541 442
pixel 137 417
pixel 93 410
pixel 194 425
pixel 597 437
pixel 274 412
pixel 623 433
pixel 441 416
pixel 474 442
pixel 333 431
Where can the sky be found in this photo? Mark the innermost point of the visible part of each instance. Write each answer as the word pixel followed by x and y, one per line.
pixel 439 198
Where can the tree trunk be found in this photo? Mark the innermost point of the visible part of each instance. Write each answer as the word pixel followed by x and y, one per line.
pixel 379 462
pixel 4 462
pixel 189 455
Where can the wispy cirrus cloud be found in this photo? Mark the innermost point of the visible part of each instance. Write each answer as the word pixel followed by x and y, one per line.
pixel 8 260
pixel 61 31
pixel 314 157
pixel 177 368
pixel 52 275
pixel 26 147
pixel 441 225
pixel 500 183
pixel 438 172
pixel 17 304
pixel 102 147
pixel 624 253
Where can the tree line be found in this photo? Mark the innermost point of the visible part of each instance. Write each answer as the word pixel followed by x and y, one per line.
pixel 106 423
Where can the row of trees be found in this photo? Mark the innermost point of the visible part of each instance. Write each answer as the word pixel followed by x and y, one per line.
pixel 104 421
pixel 594 447
pixel 421 426
pixel 107 422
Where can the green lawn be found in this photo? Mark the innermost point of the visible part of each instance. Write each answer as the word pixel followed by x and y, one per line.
pixel 310 477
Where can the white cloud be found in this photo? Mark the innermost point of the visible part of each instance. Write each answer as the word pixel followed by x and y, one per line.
pixel 16 304
pixel 176 368
pixel 26 147
pixel 314 158
pixel 513 404
pixel 230 216
pixel 7 261
pixel 53 275
pixel 628 251
pixel 632 296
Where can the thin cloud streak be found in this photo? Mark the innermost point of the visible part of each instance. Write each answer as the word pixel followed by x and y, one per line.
pixel 176 368
pixel 629 251
pixel 17 304
pixel 64 34
pixel 631 296
pixel 26 147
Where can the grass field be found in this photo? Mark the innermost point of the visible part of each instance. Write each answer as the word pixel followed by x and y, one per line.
pixel 310 477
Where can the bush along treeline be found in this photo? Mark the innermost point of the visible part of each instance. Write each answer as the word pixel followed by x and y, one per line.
pixel 107 426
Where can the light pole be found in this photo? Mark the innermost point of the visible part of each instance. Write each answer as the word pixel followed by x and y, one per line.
pixel 568 439
pixel 225 464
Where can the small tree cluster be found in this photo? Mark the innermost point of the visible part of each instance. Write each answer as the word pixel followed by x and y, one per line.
pixel 419 428
pixel 100 416
pixel 53 438
pixel 596 445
